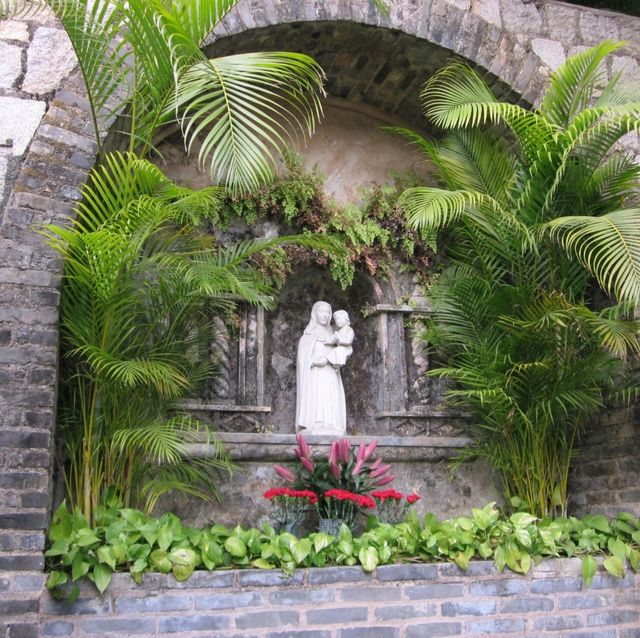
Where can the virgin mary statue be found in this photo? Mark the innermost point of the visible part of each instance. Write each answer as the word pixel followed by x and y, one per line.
pixel 320 402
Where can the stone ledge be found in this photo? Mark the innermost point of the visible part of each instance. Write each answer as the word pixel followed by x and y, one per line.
pixel 248 446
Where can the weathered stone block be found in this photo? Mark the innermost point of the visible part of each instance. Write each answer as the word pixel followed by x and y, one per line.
pixel 437 590
pixel 336 575
pixel 406 572
pixel 496 626
pixel 50 59
pixel 184 623
pixel 499 588
pixel 14 30
pixel 558 623
pixel 267 619
pixel 370 593
pixel 434 629
pixel 403 612
pixel 153 604
pixel 470 608
pixel 57 628
pixel 302 597
pixel 229 600
pixel 11 67
pixel 525 605
pixel 19 120
pixel 615 618
pixel 370 632
pixel 21 562
pixel 269 579
pixel 124 626
pixel 553 585
pixel 335 616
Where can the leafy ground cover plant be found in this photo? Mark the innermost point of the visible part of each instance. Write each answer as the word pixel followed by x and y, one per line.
pixel 126 540
pixel 542 215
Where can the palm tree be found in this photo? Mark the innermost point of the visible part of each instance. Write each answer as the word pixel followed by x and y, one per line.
pixel 142 280
pixel 142 62
pixel 541 215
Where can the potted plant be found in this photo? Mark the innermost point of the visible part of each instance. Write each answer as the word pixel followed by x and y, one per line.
pixel 288 505
pixel 341 482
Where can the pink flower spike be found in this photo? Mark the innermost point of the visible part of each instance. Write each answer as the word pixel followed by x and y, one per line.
pixel 333 453
pixel 357 467
pixel 370 449
pixel 361 453
pixel 376 463
pixel 379 471
pixel 385 479
pixel 297 452
pixel 286 474
pixel 345 450
pixel 305 450
pixel 308 463
pixel 335 470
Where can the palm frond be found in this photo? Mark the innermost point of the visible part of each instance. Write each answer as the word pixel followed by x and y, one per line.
pixel 608 246
pixel 572 85
pixel 457 97
pixel 94 29
pixel 246 107
pixel 10 9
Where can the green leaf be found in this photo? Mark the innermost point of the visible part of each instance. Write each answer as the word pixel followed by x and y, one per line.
pixel 56 578
pixel 79 567
pixel 522 519
pixel 461 559
pixel 618 548
pixel 301 550
pixel 368 557
pixel 634 559
pixel 261 563
pixel 523 537
pixel 165 538
pixel 589 568
pixel 322 540
pixel 182 572
pixel 184 556
pixel 107 555
pixel 101 576
pixel 86 537
pixel 159 561
pixel 235 547
pixel 614 566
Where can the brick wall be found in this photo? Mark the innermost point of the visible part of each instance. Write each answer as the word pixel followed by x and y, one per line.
pixel 397 601
pixel 605 472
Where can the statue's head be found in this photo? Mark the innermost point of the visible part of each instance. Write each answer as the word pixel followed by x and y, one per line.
pixel 321 313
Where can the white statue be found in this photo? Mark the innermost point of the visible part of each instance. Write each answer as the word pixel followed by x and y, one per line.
pixel 344 338
pixel 320 402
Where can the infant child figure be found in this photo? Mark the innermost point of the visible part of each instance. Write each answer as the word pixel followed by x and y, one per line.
pixel 344 338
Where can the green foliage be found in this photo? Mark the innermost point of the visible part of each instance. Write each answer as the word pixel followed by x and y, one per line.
pixel 542 218
pixel 370 236
pixel 142 61
pixel 143 278
pixel 126 540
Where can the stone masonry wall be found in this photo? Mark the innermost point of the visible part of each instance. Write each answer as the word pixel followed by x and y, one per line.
pixel 607 466
pixel 47 149
pixel 397 601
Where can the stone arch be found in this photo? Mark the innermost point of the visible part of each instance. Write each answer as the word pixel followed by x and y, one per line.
pixel 45 183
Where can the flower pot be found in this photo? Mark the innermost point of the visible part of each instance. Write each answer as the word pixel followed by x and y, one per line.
pixel 293 527
pixel 330 526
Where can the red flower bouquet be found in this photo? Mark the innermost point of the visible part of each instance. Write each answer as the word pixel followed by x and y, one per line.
pixel 288 505
pixel 392 505
pixel 345 471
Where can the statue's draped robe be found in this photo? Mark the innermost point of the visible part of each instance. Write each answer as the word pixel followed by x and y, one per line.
pixel 320 401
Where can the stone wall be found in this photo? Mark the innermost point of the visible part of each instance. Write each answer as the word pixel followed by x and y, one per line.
pixel 397 601
pixel 607 465
pixel 47 148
